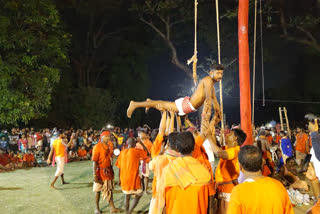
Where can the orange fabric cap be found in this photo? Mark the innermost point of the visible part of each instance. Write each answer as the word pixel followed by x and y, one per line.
pixel 105 133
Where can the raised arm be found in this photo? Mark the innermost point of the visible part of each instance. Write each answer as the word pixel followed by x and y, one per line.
pixel 162 126
pixel 167 125
pixel 171 127
pixel 216 149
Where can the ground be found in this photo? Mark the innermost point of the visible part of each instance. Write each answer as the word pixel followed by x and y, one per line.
pixel 27 191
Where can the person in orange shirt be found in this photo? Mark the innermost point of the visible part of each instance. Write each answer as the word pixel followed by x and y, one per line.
pixel 128 164
pixel 143 138
pixel 184 183
pixel 158 164
pixel 82 153
pixel 103 174
pixel 28 159
pixel 17 162
pixel 58 146
pixel 302 146
pixel 201 154
pixel 228 170
pixel 257 194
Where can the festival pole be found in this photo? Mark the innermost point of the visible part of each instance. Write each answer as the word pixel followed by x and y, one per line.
pixel 244 70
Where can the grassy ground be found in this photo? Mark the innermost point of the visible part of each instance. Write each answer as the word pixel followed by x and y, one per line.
pixel 27 191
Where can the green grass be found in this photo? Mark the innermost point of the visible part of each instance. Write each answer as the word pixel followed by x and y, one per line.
pixel 27 191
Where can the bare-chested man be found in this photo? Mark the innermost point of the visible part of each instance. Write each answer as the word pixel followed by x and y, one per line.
pixel 186 105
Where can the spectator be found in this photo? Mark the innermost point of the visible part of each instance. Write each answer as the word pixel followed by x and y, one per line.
pixel 288 173
pixel 82 153
pixel 265 195
pixel 285 146
pixel 4 143
pixel 28 159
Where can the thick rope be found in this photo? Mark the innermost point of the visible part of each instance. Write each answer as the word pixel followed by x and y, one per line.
pixel 262 66
pixel 194 58
pixel 254 58
pixel 219 60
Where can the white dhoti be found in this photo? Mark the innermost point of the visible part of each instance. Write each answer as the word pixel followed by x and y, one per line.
pixel 60 166
pixel 184 106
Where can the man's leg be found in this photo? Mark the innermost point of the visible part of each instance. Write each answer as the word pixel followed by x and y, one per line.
pixel 113 209
pixel 212 206
pixel 135 203
pixel 158 104
pixel 127 203
pixel 97 210
pixel 62 179
pixel 145 181
pixel 222 207
pixel 53 182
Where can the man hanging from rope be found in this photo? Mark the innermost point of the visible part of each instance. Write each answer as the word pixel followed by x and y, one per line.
pixel 186 105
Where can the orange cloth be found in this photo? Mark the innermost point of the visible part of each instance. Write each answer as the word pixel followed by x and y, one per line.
pixel 128 163
pixel 270 139
pixel 228 170
pixel 278 138
pixel 187 191
pixel 58 147
pixel 315 209
pixel 266 171
pixel 301 142
pixel 28 158
pixel 16 160
pixel 147 143
pixel 200 154
pixel 156 147
pixel 157 165
pixel 265 195
pixel 82 153
pixel 102 154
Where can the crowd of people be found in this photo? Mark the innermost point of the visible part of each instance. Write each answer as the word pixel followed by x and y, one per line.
pixel 27 147
pixel 184 164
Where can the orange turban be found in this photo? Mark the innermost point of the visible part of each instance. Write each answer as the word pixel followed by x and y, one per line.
pixel 105 133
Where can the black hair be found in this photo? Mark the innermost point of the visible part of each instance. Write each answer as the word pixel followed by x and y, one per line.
pixel 250 158
pixel 289 159
pixel 241 136
pixel 185 143
pixel 216 66
pixel 172 139
pixel 283 132
pixel 131 141
pixel 262 132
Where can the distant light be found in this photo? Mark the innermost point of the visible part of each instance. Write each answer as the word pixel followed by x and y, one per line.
pixel 109 126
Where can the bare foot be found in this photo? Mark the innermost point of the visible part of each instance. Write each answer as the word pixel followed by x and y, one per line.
pixel 147 108
pixel 65 182
pixel 131 109
pixel 115 210
pixel 52 186
pixel 96 211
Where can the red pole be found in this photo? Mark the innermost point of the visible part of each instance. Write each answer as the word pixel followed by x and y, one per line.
pixel 244 70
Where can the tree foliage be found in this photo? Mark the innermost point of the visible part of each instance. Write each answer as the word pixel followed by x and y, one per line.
pixel 33 48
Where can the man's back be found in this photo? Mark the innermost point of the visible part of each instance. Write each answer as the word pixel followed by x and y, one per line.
pixel 187 190
pixel 265 195
pixel 128 163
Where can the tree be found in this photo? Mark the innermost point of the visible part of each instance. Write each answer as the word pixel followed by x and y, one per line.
pixel 163 17
pixel 34 49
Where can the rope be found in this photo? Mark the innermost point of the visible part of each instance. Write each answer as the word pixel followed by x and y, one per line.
pixel 194 58
pixel 262 66
pixel 219 60
pixel 254 58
